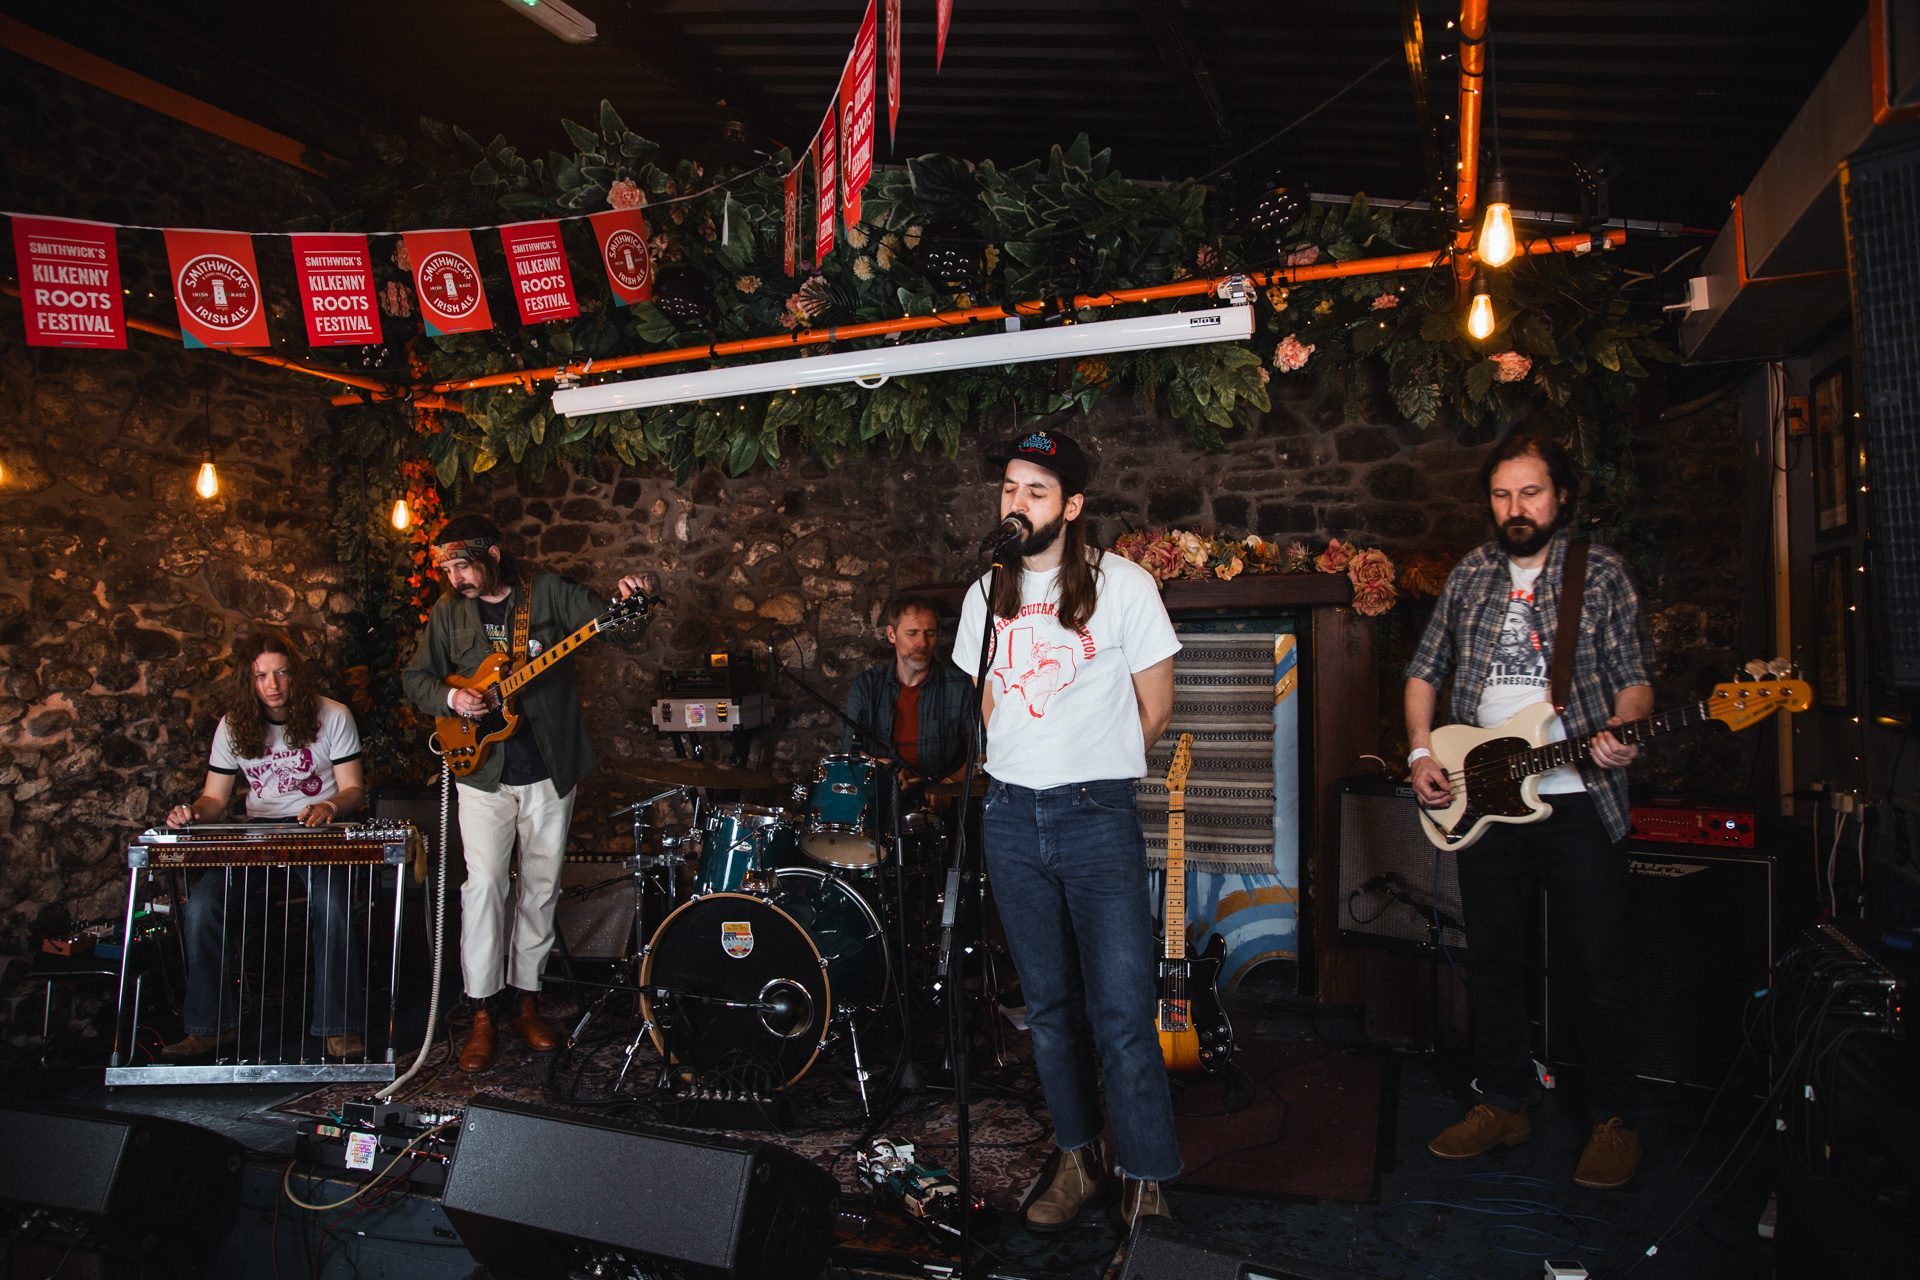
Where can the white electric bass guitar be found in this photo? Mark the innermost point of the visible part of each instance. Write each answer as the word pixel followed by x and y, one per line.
pixel 1495 773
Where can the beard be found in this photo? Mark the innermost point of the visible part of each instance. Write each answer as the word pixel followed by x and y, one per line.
pixel 1521 537
pixel 1039 540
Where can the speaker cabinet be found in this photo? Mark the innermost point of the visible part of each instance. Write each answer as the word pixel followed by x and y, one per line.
pixel 537 1192
pixel 1700 931
pixel 595 911
pixel 1164 1250
pixel 1382 852
pixel 151 1193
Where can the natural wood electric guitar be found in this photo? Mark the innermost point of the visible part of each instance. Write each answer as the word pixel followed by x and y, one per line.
pixel 1195 1033
pixel 1495 773
pixel 465 740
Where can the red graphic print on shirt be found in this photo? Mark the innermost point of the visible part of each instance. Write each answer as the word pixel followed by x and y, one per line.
pixel 284 773
pixel 1035 668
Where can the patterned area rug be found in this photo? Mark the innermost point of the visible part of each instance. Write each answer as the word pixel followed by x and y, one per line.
pixel 1011 1135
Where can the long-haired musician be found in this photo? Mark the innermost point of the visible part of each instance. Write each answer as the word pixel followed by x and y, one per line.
pixel 300 755
pixel 1080 684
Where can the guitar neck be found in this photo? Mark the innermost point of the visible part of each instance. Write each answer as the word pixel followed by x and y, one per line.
pixel 513 683
pixel 1176 912
pixel 1634 732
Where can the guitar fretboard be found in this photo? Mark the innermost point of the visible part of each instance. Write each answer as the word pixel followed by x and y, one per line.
pixel 1176 912
pixel 512 683
pixel 1554 754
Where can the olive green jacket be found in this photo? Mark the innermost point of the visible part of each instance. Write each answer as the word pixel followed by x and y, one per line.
pixel 456 644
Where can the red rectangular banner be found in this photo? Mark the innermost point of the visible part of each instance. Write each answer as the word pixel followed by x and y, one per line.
pixel 856 117
pixel 790 239
pixel 69 283
pixel 826 172
pixel 893 73
pixel 537 263
pixel 447 277
pixel 216 288
pixel 623 252
pixel 942 19
pixel 336 289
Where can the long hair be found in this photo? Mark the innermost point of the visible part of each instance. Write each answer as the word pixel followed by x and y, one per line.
pixel 1079 580
pixel 246 718
pixel 1559 463
pixel 492 575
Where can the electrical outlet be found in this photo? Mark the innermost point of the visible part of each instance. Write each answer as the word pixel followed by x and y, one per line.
pixel 1842 801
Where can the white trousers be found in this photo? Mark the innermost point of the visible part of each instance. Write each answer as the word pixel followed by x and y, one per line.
pixel 489 823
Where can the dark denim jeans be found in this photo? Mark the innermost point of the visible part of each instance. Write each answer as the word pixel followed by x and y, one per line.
pixel 235 897
pixel 1585 876
pixel 1069 876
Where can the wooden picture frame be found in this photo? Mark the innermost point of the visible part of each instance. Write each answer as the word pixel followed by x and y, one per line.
pixel 1831 409
pixel 1833 628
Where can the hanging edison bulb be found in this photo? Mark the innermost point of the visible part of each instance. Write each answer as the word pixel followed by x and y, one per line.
pixel 401 517
pixel 1480 313
pixel 208 485
pixel 1498 243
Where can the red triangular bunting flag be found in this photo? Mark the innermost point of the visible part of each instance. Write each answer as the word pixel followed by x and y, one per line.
pixel 856 118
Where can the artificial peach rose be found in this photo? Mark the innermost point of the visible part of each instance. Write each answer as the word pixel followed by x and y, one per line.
pixel 1373 601
pixel 1193 548
pixel 1370 568
pixel 1513 366
pixel 1304 257
pixel 747 284
pixel 1163 560
pixel 1386 300
pixel 1229 571
pixel 1335 558
pixel 1291 354
pixel 625 194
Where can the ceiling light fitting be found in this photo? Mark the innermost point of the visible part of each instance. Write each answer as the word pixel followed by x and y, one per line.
pixel 1480 314
pixel 872 367
pixel 563 20
pixel 1497 243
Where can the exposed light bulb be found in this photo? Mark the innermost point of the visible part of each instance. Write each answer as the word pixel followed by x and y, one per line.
pixel 1498 243
pixel 208 485
pixel 1480 314
pixel 401 516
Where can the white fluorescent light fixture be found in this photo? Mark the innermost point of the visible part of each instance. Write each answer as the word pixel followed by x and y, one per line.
pixel 872 367
pixel 563 20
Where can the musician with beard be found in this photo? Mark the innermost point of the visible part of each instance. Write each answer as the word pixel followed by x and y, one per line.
pixel 917 704
pixel 1493 633
pixel 1079 685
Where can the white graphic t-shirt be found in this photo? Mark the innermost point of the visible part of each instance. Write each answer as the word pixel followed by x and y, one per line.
pixel 286 780
pixel 1518 676
pixel 1063 703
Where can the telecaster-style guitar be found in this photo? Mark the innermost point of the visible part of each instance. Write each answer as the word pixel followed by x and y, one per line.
pixel 1495 773
pixel 465 741
pixel 1195 1033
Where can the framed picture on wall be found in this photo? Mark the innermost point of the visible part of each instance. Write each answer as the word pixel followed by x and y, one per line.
pixel 1833 628
pixel 1832 454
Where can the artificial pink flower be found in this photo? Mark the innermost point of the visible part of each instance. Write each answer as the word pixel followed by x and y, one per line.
pixel 1291 354
pixel 1513 366
pixel 1304 257
pixel 1370 568
pixel 1385 301
pixel 626 194
pixel 1335 558
pixel 1373 601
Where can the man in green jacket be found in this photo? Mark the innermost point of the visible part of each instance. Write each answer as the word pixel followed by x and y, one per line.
pixel 525 787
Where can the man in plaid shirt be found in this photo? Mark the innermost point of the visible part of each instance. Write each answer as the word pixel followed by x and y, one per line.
pixel 1492 633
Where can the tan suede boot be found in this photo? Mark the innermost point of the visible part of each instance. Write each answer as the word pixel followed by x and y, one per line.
pixel 1141 1200
pixel 1079 1179
pixel 1485 1128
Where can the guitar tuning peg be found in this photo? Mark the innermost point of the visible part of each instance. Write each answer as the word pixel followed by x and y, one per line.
pixel 1780 667
pixel 1756 668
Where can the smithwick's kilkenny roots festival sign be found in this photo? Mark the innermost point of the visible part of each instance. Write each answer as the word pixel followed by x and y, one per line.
pixel 826 171
pixel 69 283
pixel 448 281
pixel 336 289
pixel 537 261
pixel 856 120
pixel 623 250
pixel 216 287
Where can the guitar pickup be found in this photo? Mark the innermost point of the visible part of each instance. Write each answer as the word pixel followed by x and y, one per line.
pixel 1174 1015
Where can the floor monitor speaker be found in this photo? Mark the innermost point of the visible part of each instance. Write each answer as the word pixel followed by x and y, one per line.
pixel 1164 1250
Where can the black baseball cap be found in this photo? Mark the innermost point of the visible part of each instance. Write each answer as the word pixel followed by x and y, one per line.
pixel 1057 453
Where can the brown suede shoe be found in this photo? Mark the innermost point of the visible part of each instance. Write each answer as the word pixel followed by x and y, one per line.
pixel 534 1029
pixel 1485 1128
pixel 1079 1179
pixel 477 1053
pixel 1612 1154
pixel 190 1047
pixel 1141 1200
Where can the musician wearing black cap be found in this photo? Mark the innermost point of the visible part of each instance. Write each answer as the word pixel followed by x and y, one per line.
pixel 523 791
pixel 1079 684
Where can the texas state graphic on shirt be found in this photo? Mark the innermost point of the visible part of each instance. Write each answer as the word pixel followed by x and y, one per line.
pixel 1034 668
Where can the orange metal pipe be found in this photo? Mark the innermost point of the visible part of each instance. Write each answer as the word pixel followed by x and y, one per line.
pixel 1473 66
pixel 973 315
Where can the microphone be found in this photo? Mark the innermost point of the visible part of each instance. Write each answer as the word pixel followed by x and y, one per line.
pixel 1011 529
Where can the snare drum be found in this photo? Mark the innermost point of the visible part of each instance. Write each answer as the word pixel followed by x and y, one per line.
pixel 843 814
pixel 739 838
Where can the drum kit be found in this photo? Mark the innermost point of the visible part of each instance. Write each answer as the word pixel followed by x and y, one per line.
pixel 796 929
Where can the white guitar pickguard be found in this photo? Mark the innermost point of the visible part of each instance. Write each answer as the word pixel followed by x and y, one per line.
pixel 1451 745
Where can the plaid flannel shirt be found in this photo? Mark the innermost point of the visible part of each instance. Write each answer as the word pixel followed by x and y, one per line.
pixel 1615 650
pixel 946 700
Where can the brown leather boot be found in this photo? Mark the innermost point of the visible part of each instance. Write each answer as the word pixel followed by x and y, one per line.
pixel 1079 1179
pixel 1141 1200
pixel 190 1047
pixel 482 1040
pixel 1612 1154
pixel 1485 1128
pixel 532 1028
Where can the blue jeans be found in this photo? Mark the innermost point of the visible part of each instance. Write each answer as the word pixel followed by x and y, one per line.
pixel 213 976
pixel 1069 875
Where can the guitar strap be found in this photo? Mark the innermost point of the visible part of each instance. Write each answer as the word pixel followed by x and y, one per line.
pixel 1566 632
pixel 522 625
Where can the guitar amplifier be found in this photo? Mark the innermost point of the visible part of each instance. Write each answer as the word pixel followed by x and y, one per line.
pixel 1385 861
pixel 1700 934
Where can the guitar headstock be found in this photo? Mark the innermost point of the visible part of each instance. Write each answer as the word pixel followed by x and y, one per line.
pixel 1182 761
pixel 625 612
pixel 1739 704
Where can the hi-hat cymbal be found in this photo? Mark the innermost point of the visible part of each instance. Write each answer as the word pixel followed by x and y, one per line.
pixel 694 773
pixel 980 781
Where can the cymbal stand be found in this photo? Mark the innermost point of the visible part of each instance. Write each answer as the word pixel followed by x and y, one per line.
pixel 667 861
